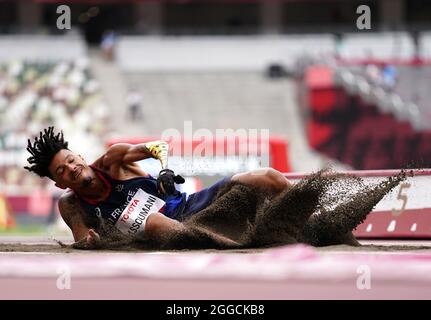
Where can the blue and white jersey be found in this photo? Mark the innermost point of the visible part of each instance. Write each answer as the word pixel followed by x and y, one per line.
pixel 129 203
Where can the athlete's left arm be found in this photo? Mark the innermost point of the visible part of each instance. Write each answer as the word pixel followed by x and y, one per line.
pixel 124 153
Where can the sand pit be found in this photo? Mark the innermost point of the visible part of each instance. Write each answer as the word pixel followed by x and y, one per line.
pixel 47 246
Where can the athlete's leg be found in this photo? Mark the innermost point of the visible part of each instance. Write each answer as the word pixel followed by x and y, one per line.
pixel 265 178
pixel 171 234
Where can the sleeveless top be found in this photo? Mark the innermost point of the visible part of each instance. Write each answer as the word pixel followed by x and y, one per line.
pixel 129 203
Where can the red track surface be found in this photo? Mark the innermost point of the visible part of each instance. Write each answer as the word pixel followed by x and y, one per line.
pixel 291 272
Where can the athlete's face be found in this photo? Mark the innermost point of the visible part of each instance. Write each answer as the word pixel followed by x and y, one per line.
pixel 69 170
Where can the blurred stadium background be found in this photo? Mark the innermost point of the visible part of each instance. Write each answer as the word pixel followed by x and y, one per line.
pixel 127 70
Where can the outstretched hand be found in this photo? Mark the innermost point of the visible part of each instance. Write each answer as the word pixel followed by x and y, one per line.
pixel 91 241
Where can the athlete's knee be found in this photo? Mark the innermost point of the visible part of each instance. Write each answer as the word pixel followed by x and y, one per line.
pixel 264 177
pixel 158 226
pixel 277 179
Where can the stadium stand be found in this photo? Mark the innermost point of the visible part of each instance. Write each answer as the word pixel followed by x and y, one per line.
pixel 381 45
pixel 38 89
pixel 385 98
pixel 36 94
pixel 220 53
pixel 213 80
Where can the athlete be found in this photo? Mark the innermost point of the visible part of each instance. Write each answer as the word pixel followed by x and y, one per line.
pixel 117 191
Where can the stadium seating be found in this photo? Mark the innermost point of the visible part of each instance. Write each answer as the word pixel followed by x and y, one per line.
pixel 386 119
pixel 35 94
pixel 212 100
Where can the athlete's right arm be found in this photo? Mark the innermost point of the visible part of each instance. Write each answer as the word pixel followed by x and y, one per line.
pixel 124 153
pixel 72 214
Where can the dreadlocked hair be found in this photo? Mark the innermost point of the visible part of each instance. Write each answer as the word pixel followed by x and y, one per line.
pixel 43 150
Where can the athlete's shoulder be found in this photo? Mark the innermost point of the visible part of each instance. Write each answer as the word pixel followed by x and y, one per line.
pixel 68 200
pixel 99 163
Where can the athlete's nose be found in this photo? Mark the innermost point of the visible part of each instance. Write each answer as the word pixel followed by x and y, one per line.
pixel 72 168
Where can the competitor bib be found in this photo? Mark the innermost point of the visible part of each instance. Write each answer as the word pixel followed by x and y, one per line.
pixel 132 220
